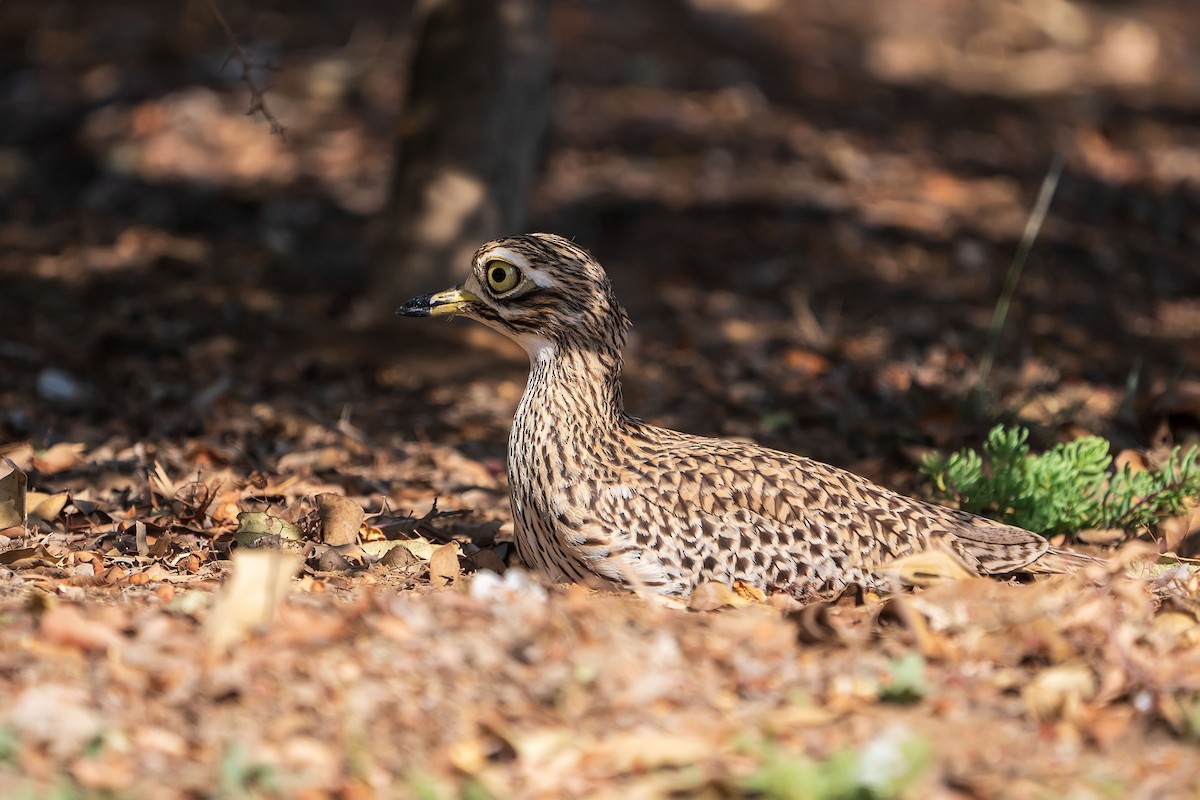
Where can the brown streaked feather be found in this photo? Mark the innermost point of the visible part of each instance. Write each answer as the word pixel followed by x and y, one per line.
pixel 598 494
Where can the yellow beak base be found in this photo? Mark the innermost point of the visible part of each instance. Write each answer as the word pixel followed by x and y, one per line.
pixel 437 304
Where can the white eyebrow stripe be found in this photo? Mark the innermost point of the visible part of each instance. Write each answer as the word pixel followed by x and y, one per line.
pixel 539 277
pixel 508 256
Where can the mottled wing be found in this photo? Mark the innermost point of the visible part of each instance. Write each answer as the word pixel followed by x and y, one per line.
pixel 795 508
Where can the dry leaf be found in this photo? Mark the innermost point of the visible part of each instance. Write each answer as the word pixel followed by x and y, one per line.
pixel 711 595
pixel 748 592
pixel 1102 535
pixel 487 559
pixel 162 482
pixel 65 625
pixel 443 565
pixel 1059 692
pixel 29 557
pixel 928 567
pixel 320 460
pixel 639 751
pixel 340 517
pixel 12 495
pixel 400 558
pixel 59 457
pixel 421 548
pixel 254 525
pixel 104 773
pixel 45 507
pixel 813 624
pixel 260 581
pixel 902 608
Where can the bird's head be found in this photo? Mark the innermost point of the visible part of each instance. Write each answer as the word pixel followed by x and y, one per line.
pixel 541 290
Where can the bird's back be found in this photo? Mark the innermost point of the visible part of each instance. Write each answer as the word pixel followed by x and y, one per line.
pixel 711 509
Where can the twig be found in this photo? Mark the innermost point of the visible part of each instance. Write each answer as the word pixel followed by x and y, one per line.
pixel 1033 226
pixel 258 101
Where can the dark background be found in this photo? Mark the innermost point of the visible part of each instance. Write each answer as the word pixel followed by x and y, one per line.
pixel 808 207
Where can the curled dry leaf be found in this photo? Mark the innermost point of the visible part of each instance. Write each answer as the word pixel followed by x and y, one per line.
pixel 400 558
pixel 45 507
pixel 340 517
pixel 59 457
pixel 421 548
pixel 66 626
pixel 330 560
pixel 254 525
pixel 1059 692
pixel 248 600
pixel 928 567
pixel 712 595
pixel 106 772
pixel 443 565
pixel 813 624
pixel 29 557
pixel 320 460
pixel 12 495
pixel 1102 536
pixel 748 592
pixel 908 613
pixel 489 560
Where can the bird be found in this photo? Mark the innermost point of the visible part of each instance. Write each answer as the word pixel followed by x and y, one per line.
pixel 602 498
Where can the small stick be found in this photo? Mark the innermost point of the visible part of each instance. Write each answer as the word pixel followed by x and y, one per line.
pixel 1033 225
pixel 258 101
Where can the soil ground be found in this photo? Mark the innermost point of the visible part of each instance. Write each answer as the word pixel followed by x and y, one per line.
pixel 809 209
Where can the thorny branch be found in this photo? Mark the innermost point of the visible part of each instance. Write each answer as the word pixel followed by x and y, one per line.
pixel 258 101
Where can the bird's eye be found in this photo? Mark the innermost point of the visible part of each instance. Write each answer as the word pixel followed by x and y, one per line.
pixel 502 277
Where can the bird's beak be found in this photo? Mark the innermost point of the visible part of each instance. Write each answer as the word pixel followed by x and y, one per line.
pixel 436 304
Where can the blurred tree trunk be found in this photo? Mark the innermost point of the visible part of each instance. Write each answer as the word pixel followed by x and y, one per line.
pixel 474 118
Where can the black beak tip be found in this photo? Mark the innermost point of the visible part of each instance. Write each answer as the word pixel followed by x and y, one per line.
pixel 417 307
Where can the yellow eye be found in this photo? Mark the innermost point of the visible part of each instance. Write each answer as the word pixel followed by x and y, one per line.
pixel 502 276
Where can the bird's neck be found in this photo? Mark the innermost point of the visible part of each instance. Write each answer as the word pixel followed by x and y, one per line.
pixel 573 394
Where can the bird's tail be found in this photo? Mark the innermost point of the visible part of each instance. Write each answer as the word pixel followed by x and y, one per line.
pixel 1057 562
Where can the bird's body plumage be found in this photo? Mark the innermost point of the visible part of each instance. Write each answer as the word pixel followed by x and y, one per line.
pixel 600 496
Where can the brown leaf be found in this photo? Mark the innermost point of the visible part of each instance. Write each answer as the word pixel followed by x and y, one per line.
pixel 1059 692
pixel 66 626
pixel 29 557
pixel 711 595
pixel 1180 400
pixel 341 518
pixel 59 457
pixel 903 608
pixel 260 581
pixel 1102 535
pixel 813 624
pixel 104 773
pixel 487 559
pixel 45 507
pixel 929 567
pixel 12 495
pixel 162 546
pixel 400 558
pixel 421 548
pixel 443 565
pixel 331 560
pixel 747 592
pixel 254 525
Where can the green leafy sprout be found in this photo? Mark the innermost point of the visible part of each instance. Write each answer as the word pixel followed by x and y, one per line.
pixel 1070 488
pixel 885 768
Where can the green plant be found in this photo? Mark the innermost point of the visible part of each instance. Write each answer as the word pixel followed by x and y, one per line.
pixel 906 682
pixel 1070 488
pixel 887 767
pixel 240 775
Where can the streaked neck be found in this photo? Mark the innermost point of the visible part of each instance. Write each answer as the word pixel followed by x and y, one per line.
pixel 580 389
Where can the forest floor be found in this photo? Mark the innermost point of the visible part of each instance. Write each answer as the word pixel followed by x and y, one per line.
pixel 809 209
